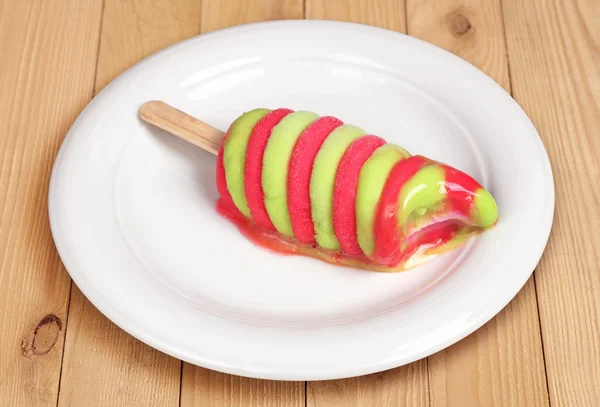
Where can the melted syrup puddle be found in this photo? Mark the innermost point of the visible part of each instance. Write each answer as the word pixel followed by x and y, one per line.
pixel 421 246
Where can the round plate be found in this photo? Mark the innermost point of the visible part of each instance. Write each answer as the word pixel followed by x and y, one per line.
pixel 133 215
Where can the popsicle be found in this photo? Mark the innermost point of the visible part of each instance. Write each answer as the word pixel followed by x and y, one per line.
pixel 299 183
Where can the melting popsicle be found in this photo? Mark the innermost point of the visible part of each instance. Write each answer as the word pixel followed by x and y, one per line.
pixel 329 190
pixel 298 183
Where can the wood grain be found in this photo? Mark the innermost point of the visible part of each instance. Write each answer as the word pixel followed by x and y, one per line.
pixel 207 388
pixel 203 387
pixel 501 363
pixel 104 366
pixel 407 385
pixel 47 60
pixel 555 70
pixel 385 13
pixel 404 386
pixel 135 29
pixel 217 14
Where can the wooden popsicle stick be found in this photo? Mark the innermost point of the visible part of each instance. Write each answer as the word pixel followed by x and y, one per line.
pixel 182 125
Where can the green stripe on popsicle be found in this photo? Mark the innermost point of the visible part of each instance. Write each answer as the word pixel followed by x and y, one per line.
pixel 234 155
pixel 422 191
pixel 322 181
pixel 486 209
pixel 276 160
pixel 371 181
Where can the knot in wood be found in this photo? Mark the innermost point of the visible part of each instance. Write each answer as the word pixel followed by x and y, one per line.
pixel 43 338
pixel 460 25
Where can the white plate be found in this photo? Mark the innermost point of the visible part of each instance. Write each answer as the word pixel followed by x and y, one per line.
pixel 132 208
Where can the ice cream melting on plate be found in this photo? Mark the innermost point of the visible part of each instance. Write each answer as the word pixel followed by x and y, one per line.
pixel 298 183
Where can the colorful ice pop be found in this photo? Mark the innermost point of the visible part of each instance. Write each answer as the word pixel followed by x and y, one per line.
pixel 299 183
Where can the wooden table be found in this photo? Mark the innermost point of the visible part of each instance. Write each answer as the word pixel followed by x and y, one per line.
pixel 57 349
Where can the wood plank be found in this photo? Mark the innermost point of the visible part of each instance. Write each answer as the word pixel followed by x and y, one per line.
pixel 501 363
pixel 555 70
pixel 407 385
pixel 207 388
pixel 48 55
pixel 404 386
pixel 104 366
pixel 227 13
pixel 203 387
pixel 388 14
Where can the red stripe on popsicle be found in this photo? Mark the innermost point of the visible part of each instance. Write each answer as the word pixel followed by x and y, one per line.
pixel 461 190
pixel 387 236
pixel 255 151
pixel 226 199
pixel 345 188
pixel 300 169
